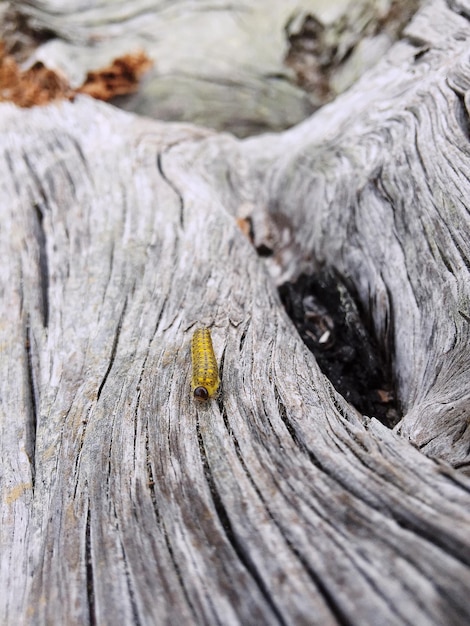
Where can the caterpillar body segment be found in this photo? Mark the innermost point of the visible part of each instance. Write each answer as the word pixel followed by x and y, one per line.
pixel 205 379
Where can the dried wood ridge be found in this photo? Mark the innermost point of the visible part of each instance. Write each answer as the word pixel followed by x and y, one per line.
pixel 125 502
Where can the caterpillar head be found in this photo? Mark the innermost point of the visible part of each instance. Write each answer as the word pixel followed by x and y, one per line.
pixel 201 394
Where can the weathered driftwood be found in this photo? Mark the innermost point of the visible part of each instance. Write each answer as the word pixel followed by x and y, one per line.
pixel 230 66
pixel 122 501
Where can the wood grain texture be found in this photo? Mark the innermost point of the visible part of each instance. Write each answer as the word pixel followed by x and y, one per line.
pixel 123 501
pixel 369 193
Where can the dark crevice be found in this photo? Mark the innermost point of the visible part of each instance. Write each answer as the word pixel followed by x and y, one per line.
pixel 389 330
pixel 338 530
pixel 459 8
pixel 328 597
pixel 231 183
pixel 135 612
pixel 151 480
pixel 243 337
pixel 241 552
pixel 136 421
pixel 172 185
pixel 40 235
pixel 291 430
pixel 266 416
pixel 421 53
pixel 113 351
pixel 302 446
pixel 461 112
pixel 402 519
pixel 224 415
pixel 78 455
pixel 422 157
pixel 14 179
pixel 448 544
pixel 159 319
pixel 427 441
pixel 112 252
pixel 30 378
pixel 153 497
pixel 331 322
pixel 453 477
pixel 421 44
pixel 139 391
pixel 150 475
pixel 406 518
pixel 178 573
pixel 461 464
pixel 275 76
pixel 90 591
pixel 21 302
pixel 442 257
pixel 463 257
pixel 220 392
pixel 69 177
pixel 334 401
pixel 43 264
pixel 109 458
pixel 283 415
pixel 402 230
pixel 38 181
pixel 242 340
pixel 137 402
pixel 465 316
pixel 79 150
pixel 264 251
pixel 246 471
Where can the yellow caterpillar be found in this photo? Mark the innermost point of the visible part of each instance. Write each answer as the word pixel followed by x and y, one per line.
pixel 205 380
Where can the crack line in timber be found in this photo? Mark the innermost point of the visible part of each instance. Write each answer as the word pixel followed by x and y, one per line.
pixel 172 185
pixel 33 421
pixel 226 524
pixel 90 592
pixel 113 351
pixel 161 524
pixel 43 265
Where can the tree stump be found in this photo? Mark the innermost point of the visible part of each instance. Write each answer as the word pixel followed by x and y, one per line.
pixel 123 500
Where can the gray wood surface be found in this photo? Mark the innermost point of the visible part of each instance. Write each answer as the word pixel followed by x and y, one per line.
pixel 125 503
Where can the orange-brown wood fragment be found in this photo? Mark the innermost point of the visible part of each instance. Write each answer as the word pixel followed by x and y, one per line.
pixel 39 85
pixel 35 86
pixel 121 77
pixel 246 226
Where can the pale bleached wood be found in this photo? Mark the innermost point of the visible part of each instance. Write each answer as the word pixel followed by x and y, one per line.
pixel 223 65
pixel 123 502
